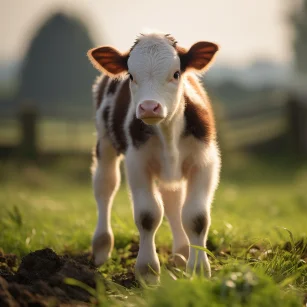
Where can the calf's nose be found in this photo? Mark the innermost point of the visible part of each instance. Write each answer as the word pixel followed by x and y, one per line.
pixel 149 109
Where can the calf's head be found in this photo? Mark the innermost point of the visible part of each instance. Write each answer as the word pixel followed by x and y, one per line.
pixel 156 66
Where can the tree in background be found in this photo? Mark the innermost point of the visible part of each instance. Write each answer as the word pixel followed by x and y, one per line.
pixel 299 22
pixel 56 74
pixel 297 104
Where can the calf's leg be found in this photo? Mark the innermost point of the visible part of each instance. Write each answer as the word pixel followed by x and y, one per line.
pixel 148 212
pixel 173 201
pixel 106 180
pixel 202 182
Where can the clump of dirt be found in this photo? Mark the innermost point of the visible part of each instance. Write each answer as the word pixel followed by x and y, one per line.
pixel 39 280
pixel 40 277
pixel 126 280
pixel 13 295
pixel 7 264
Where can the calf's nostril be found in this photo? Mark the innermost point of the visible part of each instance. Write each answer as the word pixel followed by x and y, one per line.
pixel 156 108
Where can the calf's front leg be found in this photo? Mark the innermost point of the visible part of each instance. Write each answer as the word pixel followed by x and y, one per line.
pixel 148 212
pixel 202 182
pixel 173 201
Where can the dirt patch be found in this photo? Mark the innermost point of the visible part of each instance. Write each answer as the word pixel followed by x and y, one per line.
pixel 7 264
pixel 126 280
pixel 39 279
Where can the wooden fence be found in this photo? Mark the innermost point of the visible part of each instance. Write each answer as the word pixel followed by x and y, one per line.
pixel 29 134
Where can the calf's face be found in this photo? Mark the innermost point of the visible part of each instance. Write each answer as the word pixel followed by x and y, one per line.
pixel 155 65
pixel 154 69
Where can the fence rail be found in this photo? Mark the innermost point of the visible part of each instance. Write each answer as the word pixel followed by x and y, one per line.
pixel 245 127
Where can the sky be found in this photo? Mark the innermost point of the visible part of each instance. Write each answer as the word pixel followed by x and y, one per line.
pixel 245 29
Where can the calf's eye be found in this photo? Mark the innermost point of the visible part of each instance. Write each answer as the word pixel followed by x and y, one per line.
pixel 130 76
pixel 176 75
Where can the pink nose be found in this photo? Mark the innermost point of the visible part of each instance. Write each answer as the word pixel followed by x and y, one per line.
pixel 149 109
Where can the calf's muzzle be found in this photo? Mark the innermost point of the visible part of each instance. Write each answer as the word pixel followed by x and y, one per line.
pixel 150 110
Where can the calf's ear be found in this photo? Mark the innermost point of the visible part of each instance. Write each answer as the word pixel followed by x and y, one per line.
pixel 198 57
pixel 109 60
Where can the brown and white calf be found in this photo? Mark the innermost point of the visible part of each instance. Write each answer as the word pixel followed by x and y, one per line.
pixel 151 108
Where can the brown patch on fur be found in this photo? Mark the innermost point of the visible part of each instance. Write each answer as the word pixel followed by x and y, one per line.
pixel 101 88
pixel 109 60
pixel 105 118
pixel 184 60
pixel 112 87
pixel 97 150
pixel 200 223
pixel 104 241
pixel 122 103
pixel 199 121
pixel 147 221
pixel 198 56
pixel 139 132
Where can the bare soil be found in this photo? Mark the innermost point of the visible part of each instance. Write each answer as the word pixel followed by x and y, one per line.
pixel 39 279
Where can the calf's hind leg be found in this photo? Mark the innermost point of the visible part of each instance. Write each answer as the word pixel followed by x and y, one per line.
pixel 106 180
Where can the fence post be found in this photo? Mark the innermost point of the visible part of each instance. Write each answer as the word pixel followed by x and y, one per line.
pixel 28 131
pixel 297 111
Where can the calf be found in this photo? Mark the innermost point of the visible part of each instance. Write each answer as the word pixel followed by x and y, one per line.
pixel 151 108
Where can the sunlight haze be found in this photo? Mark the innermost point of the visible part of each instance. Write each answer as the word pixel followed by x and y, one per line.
pixel 245 30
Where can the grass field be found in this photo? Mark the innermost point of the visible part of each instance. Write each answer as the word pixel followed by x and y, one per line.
pixel 257 238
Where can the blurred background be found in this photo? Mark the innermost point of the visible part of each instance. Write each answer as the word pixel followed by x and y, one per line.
pixel 258 83
pixel 258 87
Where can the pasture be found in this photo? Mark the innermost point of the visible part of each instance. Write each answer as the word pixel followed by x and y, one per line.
pixel 257 239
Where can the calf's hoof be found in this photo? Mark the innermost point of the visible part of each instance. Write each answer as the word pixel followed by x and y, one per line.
pixel 181 256
pixel 202 268
pixel 102 247
pixel 149 274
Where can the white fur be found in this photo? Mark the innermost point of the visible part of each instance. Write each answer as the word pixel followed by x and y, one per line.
pixel 168 173
pixel 152 63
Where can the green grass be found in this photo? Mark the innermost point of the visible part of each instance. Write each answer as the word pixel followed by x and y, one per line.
pixel 257 237
pixel 53 135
